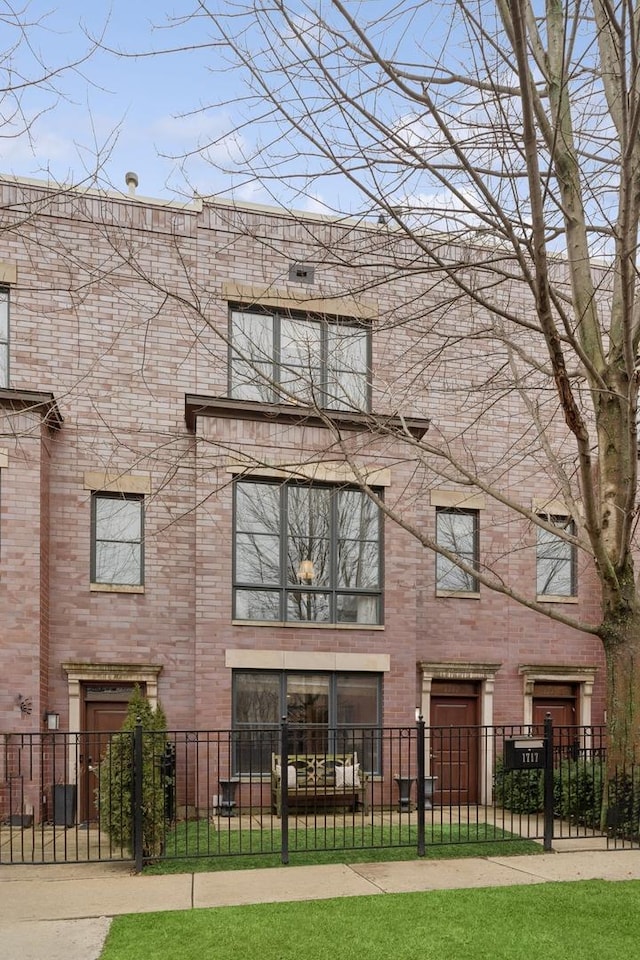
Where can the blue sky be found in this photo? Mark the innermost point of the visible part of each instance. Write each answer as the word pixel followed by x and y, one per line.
pixel 125 110
pixel 120 111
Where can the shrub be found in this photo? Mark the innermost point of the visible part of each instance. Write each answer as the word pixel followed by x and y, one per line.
pixel 578 791
pixel 623 805
pixel 115 798
pixel 521 791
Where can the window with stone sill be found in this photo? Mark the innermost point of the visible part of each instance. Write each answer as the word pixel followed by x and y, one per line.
pixel 286 357
pixel 328 713
pixel 306 552
pixel 4 337
pixel 556 559
pixel 117 539
pixel 457 530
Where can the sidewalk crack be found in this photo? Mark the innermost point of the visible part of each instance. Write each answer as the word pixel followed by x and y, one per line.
pixel 371 882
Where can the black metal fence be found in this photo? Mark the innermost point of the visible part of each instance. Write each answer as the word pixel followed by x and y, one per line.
pixel 289 791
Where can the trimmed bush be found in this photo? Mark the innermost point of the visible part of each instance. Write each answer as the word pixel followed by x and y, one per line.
pixel 521 791
pixel 623 807
pixel 115 798
pixel 577 791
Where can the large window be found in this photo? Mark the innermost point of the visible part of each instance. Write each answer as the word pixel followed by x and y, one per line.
pixel 327 713
pixel 4 337
pixel 556 560
pixel 117 539
pixel 277 356
pixel 456 531
pixel 306 553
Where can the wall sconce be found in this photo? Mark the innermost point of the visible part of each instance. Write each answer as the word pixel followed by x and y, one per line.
pixel 52 719
pixel 305 571
pixel 25 704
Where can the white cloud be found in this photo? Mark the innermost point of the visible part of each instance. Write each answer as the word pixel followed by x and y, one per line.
pixel 190 127
pixel 40 146
pixel 313 203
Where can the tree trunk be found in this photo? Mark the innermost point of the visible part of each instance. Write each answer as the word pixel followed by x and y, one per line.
pixel 621 641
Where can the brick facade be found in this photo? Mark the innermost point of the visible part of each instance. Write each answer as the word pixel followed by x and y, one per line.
pixel 120 310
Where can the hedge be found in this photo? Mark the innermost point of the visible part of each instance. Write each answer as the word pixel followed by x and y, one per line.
pixel 578 792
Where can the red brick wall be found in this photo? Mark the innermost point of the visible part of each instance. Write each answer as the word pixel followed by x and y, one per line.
pixel 115 311
pixel 23 602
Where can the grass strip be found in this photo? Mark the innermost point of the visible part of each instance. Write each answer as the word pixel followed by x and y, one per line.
pixel 552 921
pixel 198 846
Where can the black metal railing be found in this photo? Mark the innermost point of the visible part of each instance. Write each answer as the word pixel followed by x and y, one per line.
pixel 182 795
pixel 49 798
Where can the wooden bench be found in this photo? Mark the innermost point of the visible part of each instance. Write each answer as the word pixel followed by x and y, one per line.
pixel 319 781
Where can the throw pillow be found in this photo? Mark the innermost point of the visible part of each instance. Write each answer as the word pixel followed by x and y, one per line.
pixel 348 776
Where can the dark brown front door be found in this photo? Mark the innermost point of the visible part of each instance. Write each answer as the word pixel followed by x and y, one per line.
pixel 454 742
pixel 560 700
pixel 105 712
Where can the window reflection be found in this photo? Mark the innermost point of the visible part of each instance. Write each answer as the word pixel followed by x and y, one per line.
pixel 4 338
pixel 556 560
pixel 457 532
pixel 312 360
pixel 117 539
pixel 319 546
pixel 326 713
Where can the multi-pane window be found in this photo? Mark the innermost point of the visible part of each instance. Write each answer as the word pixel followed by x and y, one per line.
pixel 326 712
pixel 306 553
pixel 4 337
pixel 277 356
pixel 117 539
pixel 556 559
pixel 457 532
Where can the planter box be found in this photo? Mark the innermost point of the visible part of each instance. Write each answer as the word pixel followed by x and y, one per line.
pixel 21 820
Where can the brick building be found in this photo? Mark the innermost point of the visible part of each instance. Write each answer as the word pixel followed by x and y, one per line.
pixel 186 406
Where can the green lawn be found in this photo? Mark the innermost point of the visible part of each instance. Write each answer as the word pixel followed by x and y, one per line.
pixel 247 849
pixel 591 920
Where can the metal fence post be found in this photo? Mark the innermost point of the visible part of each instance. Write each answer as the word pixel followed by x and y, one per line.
pixel 421 773
pixel 136 796
pixel 548 783
pixel 284 784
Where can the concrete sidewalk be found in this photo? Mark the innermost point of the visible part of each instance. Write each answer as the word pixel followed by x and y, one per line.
pixel 63 912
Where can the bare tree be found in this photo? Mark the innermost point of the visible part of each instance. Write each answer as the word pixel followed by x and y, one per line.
pixel 34 72
pixel 499 144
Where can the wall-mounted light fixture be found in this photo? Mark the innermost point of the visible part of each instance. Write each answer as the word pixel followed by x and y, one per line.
pixel 25 704
pixel 305 571
pixel 52 719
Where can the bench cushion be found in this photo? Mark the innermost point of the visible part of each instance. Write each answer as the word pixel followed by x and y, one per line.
pixel 305 771
pixel 292 774
pixel 318 779
pixel 348 776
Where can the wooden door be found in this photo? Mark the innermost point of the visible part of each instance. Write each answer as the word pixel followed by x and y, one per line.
pixel 561 701
pixel 105 712
pixel 454 743
pixel 557 699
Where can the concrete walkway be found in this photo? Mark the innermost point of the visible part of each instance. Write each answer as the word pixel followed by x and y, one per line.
pixel 63 912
